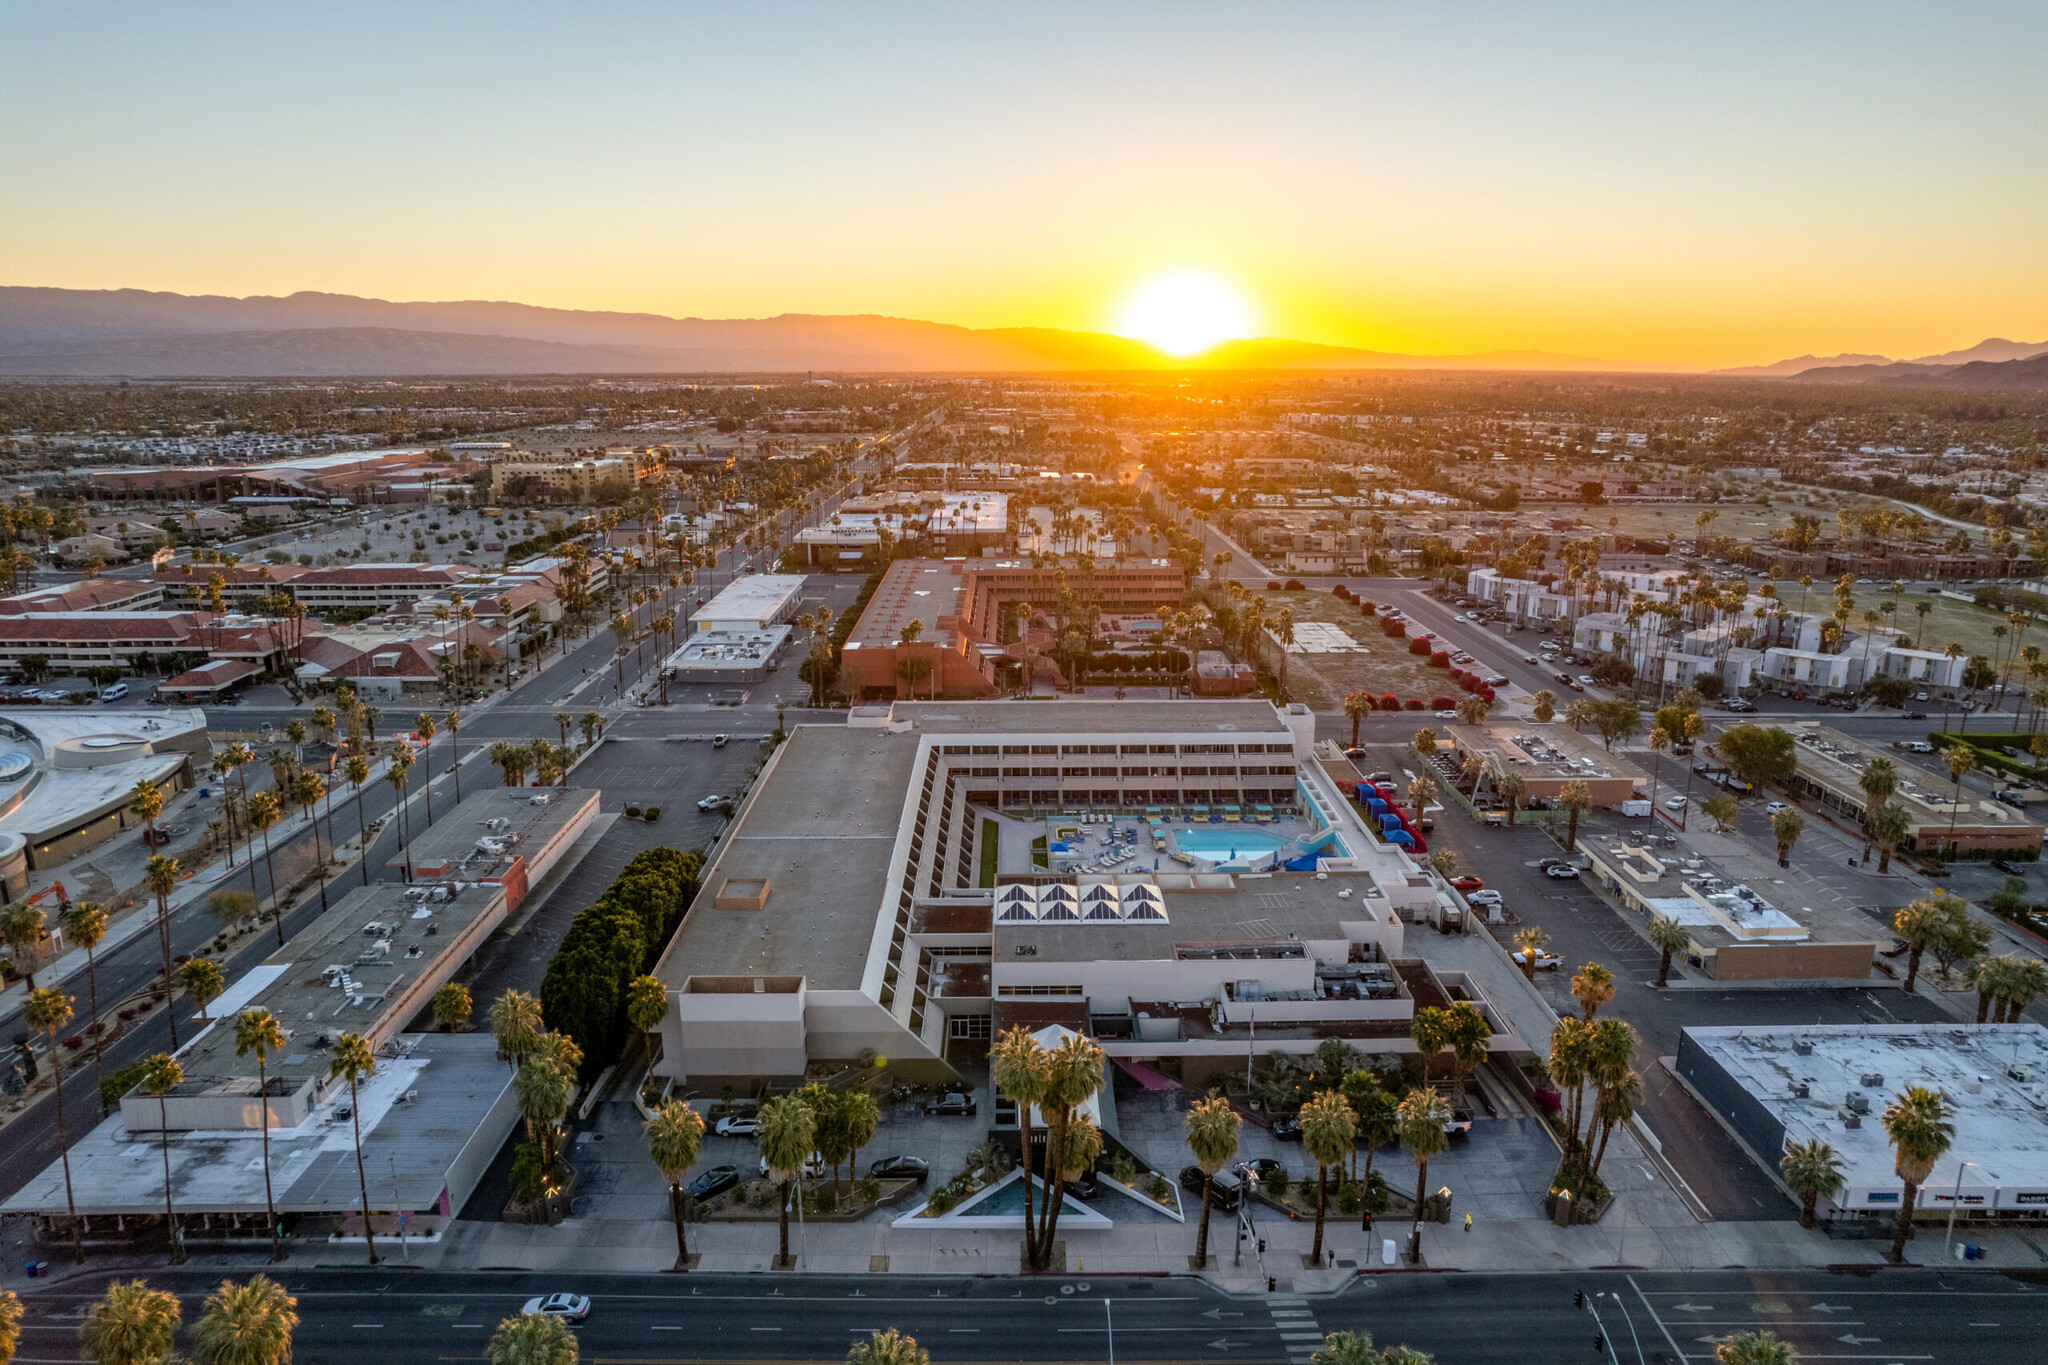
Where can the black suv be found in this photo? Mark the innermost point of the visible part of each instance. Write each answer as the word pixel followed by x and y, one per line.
pixel 1229 1191
pixel 717 1180
pixel 901 1168
pixel 951 1104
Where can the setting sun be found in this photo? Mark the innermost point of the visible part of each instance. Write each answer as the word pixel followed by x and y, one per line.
pixel 1185 312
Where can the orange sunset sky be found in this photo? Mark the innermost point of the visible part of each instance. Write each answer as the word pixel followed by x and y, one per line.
pixel 1700 185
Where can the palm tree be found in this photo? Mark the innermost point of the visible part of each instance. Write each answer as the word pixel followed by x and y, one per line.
pixel 1357 706
pixel 1073 1072
pixel 860 1116
pixel 1425 742
pixel 161 1074
pixel 1544 706
pixel 262 812
pixel 1786 827
pixel 532 1339
pixel 889 1347
pixel 131 1324
pixel 1753 1348
pixel 1592 988
pixel 454 752
pixel 516 1024
pixel 203 981
pixel 1575 798
pixel 400 762
pixel 1472 710
pixel 1211 1127
pixel 561 719
pixel 1889 828
pixel 451 1005
pixel 1668 937
pixel 146 802
pixel 22 929
pixel 1512 788
pixel 358 772
pixel 424 724
pixel 675 1137
pixel 1327 1132
pixel 1813 1171
pixel 1919 923
pixel 354 1062
pixel 1017 1066
pixel 306 790
pixel 788 1134
pixel 160 874
pixel 47 1011
pixel 85 924
pixel 1961 760
pixel 257 1031
pixel 1421 1118
pixel 1879 780
pixel 1528 942
pixel 1920 1125
pixel 246 1324
pixel 10 1324
pixel 1620 1095
pixel 1470 1039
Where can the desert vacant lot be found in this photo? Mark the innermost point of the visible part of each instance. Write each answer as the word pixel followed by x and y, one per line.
pixel 1321 676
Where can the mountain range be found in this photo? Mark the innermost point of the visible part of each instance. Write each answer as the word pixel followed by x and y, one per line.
pixel 135 333
pixel 143 334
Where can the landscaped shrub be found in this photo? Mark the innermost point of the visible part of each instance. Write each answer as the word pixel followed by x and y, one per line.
pixel 1365 604
pixel 1341 592
pixel 1419 645
pixel 1388 702
pixel 1441 703
pixel 942 1199
pixel 1275 1182
pixel 651 814
pixel 1412 704
pixel 869 1189
pixel 609 943
pixel 1294 585
pixel 1272 585
pixel 1440 659
pixel 632 812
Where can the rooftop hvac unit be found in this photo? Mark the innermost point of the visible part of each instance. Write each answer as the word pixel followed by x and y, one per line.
pixel 540 799
pixel 2018 1073
pixel 1852 1120
pixel 1802 1048
pixel 1858 1102
pixel 1802 1091
pixel 1872 1081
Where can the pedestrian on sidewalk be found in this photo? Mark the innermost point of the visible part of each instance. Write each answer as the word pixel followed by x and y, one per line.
pixel 1468 1222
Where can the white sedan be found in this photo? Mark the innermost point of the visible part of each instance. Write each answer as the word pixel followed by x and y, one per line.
pixel 1675 803
pixel 1777 806
pixel 1447 715
pixel 738 1125
pixel 570 1307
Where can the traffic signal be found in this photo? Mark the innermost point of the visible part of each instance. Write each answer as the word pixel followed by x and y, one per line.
pixel 1599 1343
pixel 1578 1298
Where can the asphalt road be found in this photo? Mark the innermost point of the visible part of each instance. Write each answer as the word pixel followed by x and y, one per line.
pixel 1647 1318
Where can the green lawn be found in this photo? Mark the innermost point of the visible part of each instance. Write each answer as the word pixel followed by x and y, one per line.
pixel 991 835
pixel 1966 623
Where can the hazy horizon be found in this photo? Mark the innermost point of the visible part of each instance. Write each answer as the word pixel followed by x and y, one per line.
pixel 1676 188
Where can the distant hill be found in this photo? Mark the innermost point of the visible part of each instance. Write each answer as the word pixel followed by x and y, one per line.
pixel 1993 349
pixel 1785 369
pixel 138 333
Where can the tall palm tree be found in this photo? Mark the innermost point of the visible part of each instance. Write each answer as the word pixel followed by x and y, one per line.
pixel 307 789
pixel 160 874
pixel 257 1031
pixel 788 1135
pixel 1017 1066
pixel 516 1024
pixel 1889 828
pixel 130 1324
pixel 262 811
pixel 1328 1129
pixel 359 772
pixel 1920 1125
pixel 354 1062
pixel 47 1011
pixel 1592 988
pixel 395 774
pixel 1357 707
pixel 1529 941
pixel 1470 1039
pixel 246 1324
pixel 85 925
pixel 1786 827
pixel 1421 1118
pixel 454 751
pixel 1813 1171
pixel 1512 788
pixel 203 981
pixel 1073 1072
pixel 424 723
pixel 1575 798
pixel 675 1138
pixel 1961 761
pixel 23 930
pixel 161 1074
pixel 1879 780
pixel 1211 1127
pixel 145 803
pixel 1669 938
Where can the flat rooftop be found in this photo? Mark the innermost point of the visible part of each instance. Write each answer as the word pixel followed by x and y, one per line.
pixel 346 972
pixel 480 837
pixel 1193 909
pixel 1836 760
pixel 1552 751
pixel 1103 719
pixel 756 597
pixel 1733 898
pixel 821 829
pixel 413 1148
pixel 720 649
pixel 921 590
pixel 2001 1119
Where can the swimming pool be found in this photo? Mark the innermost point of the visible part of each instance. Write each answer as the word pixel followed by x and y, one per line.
pixel 1220 845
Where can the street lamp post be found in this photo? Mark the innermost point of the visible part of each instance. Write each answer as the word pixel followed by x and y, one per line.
pixel 1955 1200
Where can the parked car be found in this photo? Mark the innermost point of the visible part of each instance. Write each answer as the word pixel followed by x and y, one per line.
pixel 1227 1194
pixel 1497 680
pixel 715 1181
pixel 1774 807
pixel 1482 898
pixel 1527 659
pixel 738 1125
pixel 1741 707
pixel 1287 1128
pixel 1916 715
pixel 1467 883
pixel 1447 715
pixel 901 1168
pixel 1560 871
pixel 1913 746
pixel 954 1104
pixel 1354 753
pixel 114 693
pixel 1586 679
pixel 720 741
pixel 1919 696
pixel 1460 1121
pixel 1379 777
pixel 1546 961
pixel 1258 1168
pixel 1674 803
pixel 569 1307
pixel 710 803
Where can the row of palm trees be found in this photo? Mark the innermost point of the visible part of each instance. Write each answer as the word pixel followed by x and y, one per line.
pixel 1920 1124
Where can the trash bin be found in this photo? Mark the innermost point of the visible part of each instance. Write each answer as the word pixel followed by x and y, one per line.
pixel 1387 1253
pixel 30 1269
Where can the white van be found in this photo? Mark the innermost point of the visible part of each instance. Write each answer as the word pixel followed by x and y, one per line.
pixel 114 693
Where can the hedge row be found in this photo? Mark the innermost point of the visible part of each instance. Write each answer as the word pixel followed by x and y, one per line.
pixel 608 944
